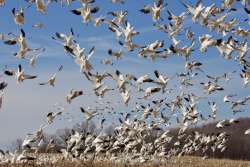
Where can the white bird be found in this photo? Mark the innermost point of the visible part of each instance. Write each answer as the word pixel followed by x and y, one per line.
pixel 226 98
pixel 73 94
pixel 2 2
pixel 154 10
pixel 19 74
pixel 18 16
pixel 52 79
pixel 88 115
pixel 23 46
pixel 195 10
pixel 247 132
pixel 51 116
pixel 85 12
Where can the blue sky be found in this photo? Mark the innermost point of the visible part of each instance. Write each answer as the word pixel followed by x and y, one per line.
pixel 26 105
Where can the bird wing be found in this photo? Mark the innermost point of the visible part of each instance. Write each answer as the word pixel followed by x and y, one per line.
pixel 26 76
pixel 9 72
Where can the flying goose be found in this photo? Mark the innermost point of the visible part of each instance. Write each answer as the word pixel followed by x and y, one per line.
pixel 154 10
pixel 99 20
pixel 73 94
pixel 193 65
pixel 23 47
pixel 102 91
pixel 210 87
pixel 88 115
pixel 19 74
pixel 52 79
pixel 226 98
pixel 247 132
pixel 3 85
pixel 151 49
pixel 83 60
pixel 2 2
pixel 206 42
pixel 245 75
pixel 116 55
pixel 38 25
pixel 118 1
pixel 129 32
pixel 178 20
pixel 125 96
pixel 119 17
pixel 18 16
pixel 151 90
pixel 35 56
pixel 214 108
pixel 195 10
pixel 161 80
pixel 85 12
pixel 52 115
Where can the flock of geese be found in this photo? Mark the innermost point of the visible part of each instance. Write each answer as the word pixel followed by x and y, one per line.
pixel 154 101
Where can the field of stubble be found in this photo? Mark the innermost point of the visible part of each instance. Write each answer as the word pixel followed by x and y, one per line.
pixel 174 162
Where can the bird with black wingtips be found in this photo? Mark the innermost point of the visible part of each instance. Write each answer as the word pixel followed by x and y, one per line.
pixel 73 94
pixel 19 74
pixel 52 79
pixel 18 16
pixel 155 10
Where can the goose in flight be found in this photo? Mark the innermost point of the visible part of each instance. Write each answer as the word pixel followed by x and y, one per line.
pixel 206 41
pixel 247 132
pixel 161 80
pixel 185 51
pixel 52 79
pixel 88 115
pixel 73 94
pixel 154 10
pixel 100 92
pixel 178 20
pixel 119 17
pixel 18 16
pixel 85 12
pixel 151 90
pixel 226 98
pixel 125 96
pixel 68 41
pixel 3 85
pixel 118 1
pixel 222 124
pixel 83 60
pixel 23 47
pixel 41 6
pixel 143 79
pixel 129 32
pixel 195 10
pixel 214 108
pixel 2 2
pixel 38 25
pixel 245 75
pixel 51 116
pixel 237 104
pixel 193 65
pixel 34 57
pixel 151 49
pixel 115 54
pixel 19 74
pixel 99 20
pixel 210 87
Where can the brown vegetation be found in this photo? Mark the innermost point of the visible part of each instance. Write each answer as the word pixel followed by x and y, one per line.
pixel 174 162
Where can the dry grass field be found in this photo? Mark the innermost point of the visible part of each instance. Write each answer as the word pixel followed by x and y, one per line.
pixel 174 162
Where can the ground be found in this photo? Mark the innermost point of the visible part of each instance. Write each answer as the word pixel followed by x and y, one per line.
pixel 174 162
